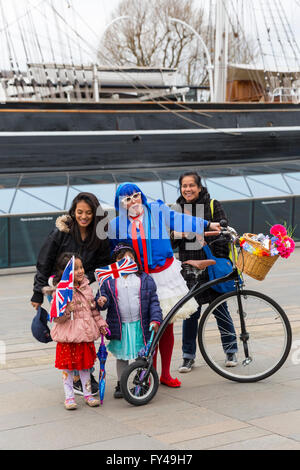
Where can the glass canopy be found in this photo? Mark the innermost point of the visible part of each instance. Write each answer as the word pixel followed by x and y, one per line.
pixel 53 192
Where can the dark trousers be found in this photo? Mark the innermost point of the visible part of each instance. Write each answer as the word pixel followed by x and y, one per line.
pixel 225 325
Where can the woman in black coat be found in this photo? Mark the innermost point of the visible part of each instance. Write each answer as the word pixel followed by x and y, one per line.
pixel 75 232
pixel 195 197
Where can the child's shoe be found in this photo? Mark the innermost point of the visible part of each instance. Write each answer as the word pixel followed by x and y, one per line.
pixel 70 404
pixel 118 392
pixel 92 401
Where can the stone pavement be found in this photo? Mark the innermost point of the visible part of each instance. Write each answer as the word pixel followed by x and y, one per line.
pixel 207 412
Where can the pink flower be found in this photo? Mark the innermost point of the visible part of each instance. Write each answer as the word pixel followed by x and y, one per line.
pixel 278 230
pixel 285 246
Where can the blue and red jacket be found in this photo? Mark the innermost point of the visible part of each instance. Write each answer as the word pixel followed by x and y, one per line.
pixel 150 310
pixel 159 220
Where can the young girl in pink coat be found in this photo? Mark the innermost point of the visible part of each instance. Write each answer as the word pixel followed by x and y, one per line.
pixel 75 333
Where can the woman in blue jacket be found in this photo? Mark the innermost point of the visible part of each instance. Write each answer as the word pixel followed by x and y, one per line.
pixel 146 227
pixel 132 307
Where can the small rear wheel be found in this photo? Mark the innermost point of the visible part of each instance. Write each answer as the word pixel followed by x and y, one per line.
pixel 135 389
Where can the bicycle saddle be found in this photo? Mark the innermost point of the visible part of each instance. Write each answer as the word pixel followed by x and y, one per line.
pixel 200 264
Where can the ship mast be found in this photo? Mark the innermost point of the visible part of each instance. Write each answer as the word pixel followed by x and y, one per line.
pixel 221 51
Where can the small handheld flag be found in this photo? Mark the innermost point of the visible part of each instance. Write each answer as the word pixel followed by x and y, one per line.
pixel 64 291
pixel 113 271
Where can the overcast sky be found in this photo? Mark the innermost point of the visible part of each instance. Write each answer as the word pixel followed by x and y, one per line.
pixel 89 17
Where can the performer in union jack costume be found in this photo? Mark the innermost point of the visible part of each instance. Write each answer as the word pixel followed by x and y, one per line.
pixel 64 292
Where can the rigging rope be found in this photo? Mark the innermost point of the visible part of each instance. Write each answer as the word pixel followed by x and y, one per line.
pixel 261 48
pixel 278 34
pixel 270 40
pixel 252 73
pixel 296 54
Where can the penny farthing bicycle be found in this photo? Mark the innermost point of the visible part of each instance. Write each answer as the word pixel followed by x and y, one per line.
pixel 246 322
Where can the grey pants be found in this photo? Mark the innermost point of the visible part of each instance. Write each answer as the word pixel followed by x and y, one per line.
pixel 121 365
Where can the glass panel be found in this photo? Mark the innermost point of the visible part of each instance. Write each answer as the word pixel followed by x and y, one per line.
pixel 293 180
pixel 82 179
pixel 135 177
pixel 44 180
pixel 239 214
pixel 72 193
pixel 222 193
pixel 8 181
pixel 270 212
pixel 26 204
pixel 27 234
pixel 104 192
pixel 268 185
pixel 6 197
pixel 172 175
pixel 4 242
pixel 234 187
pixel 296 221
pixel 54 196
pixel 152 190
pixel 171 191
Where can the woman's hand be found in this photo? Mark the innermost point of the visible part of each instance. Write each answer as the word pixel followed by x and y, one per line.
pixel 35 305
pixel 102 301
pixel 214 226
pixel 178 235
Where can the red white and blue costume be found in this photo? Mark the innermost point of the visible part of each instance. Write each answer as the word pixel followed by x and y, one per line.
pixel 149 236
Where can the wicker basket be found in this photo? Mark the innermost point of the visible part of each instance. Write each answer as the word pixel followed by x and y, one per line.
pixel 253 265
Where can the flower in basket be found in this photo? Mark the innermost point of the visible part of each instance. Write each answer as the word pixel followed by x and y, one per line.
pixel 242 241
pixel 278 230
pixel 281 242
pixel 265 253
pixel 285 246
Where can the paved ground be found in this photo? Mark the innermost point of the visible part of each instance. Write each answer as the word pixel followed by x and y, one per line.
pixel 207 412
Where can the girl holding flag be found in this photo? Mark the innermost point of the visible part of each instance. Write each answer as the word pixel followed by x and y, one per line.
pixel 146 227
pixel 132 307
pixel 75 332
pixel 74 232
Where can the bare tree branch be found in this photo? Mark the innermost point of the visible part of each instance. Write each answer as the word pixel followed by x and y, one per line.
pixel 150 40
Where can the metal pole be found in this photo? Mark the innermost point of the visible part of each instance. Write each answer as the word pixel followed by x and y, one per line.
pixel 209 66
pixel 221 52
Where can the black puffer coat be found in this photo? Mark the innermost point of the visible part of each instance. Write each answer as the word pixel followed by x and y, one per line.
pixel 219 249
pixel 60 241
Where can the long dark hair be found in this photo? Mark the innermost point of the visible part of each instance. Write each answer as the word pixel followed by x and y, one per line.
pixel 61 263
pixel 93 242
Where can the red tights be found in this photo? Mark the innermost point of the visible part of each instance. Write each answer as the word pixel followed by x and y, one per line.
pixel 165 346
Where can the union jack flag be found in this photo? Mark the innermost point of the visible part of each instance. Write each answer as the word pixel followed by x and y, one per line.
pixel 113 271
pixel 64 292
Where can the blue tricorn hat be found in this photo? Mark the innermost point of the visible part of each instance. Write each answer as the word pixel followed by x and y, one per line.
pixel 39 327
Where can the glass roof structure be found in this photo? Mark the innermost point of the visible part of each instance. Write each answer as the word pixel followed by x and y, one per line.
pixel 54 192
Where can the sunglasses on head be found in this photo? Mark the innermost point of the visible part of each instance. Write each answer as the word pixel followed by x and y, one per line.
pixel 134 197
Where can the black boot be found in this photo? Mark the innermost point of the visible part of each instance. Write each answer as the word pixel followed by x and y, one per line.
pixel 118 393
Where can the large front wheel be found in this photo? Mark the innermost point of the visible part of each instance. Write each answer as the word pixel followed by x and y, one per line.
pixel 250 354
